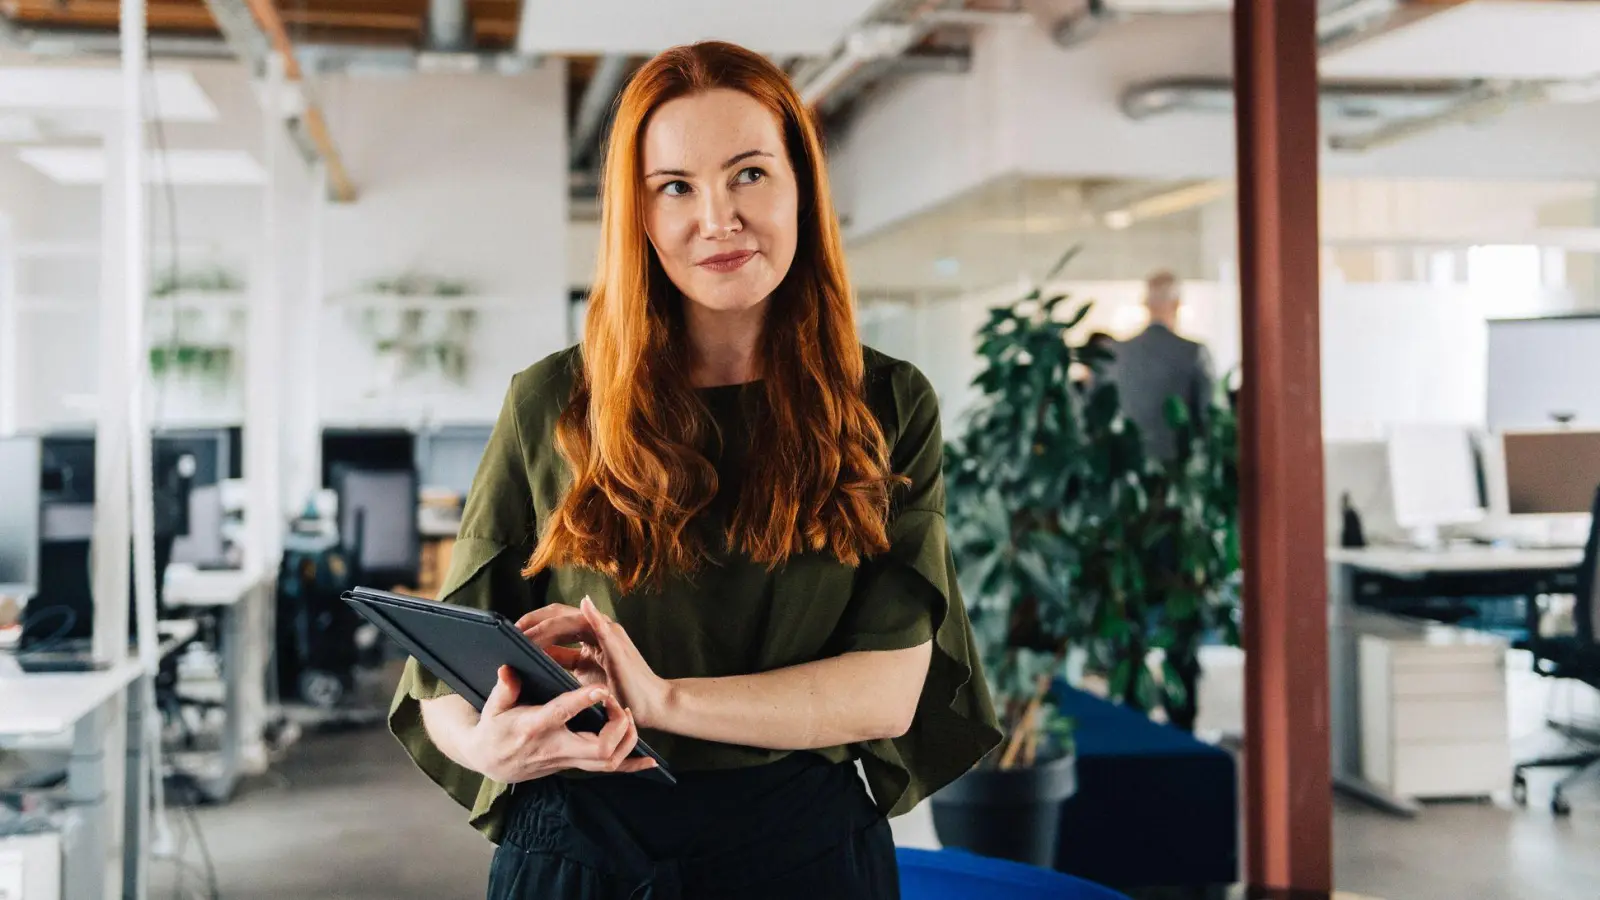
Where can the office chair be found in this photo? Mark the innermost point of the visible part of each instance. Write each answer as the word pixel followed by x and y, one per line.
pixel 1575 656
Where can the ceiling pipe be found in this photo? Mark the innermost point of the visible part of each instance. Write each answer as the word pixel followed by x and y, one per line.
pixel 889 31
pixel 1345 23
pixel 1076 30
pixel 447 25
pixel 956 61
pixel 1483 102
pixel 1367 100
pixel 597 99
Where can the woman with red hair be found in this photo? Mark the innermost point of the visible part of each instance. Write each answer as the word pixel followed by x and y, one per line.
pixel 726 517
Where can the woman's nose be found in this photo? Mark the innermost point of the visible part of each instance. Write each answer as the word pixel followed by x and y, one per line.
pixel 719 217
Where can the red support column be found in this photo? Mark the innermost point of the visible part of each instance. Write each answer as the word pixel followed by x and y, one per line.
pixel 1287 784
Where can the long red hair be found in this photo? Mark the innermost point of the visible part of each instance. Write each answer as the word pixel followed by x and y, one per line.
pixel 633 430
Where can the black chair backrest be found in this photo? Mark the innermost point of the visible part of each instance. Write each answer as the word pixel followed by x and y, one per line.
pixel 1586 610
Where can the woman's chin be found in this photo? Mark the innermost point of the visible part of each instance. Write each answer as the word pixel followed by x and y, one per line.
pixel 729 299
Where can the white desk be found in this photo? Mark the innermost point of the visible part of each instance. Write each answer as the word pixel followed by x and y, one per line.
pixel 239 598
pixel 104 783
pixel 1457 569
pixel 44 704
pixel 1402 562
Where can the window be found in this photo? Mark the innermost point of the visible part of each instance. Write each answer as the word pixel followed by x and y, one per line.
pixel 1508 268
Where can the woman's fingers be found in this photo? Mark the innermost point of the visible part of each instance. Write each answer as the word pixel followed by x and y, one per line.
pixel 567 657
pixel 630 739
pixel 562 630
pixel 544 614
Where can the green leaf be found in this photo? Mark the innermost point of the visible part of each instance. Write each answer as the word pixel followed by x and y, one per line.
pixel 1119 678
pixel 1147 691
pixel 1177 693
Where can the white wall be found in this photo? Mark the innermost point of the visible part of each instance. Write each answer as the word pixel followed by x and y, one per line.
pixel 459 176
pixel 1401 353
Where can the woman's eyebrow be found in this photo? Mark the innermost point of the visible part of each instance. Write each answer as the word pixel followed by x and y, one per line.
pixel 732 161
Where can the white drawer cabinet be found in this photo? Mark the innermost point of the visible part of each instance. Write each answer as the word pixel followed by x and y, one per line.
pixel 1433 715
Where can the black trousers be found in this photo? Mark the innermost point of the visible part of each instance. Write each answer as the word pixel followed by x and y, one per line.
pixel 801 828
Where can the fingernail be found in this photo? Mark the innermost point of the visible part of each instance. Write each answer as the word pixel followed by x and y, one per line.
pixel 597 695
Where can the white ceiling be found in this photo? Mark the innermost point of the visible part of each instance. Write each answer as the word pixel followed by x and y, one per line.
pixel 1520 39
pixel 648 26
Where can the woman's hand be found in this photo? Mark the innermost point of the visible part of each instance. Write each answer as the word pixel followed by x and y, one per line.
pixel 583 661
pixel 511 743
pixel 643 692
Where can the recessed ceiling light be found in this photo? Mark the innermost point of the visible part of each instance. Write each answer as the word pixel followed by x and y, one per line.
pixel 177 96
pixel 17 128
pixel 87 165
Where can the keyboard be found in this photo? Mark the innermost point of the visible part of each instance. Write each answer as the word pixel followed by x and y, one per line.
pixel 44 661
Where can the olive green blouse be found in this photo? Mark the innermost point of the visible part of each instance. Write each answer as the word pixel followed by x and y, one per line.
pixel 734 617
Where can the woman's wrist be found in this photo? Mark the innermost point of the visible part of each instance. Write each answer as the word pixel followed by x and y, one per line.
pixel 658 709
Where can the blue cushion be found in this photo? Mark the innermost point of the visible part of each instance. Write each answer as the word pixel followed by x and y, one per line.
pixel 1154 806
pixel 958 875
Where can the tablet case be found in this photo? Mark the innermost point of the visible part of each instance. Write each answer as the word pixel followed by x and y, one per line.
pixel 465 648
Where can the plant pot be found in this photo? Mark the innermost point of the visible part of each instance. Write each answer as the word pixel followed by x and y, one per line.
pixel 1012 814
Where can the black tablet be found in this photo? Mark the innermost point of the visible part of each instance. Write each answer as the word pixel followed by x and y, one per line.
pixel 465 649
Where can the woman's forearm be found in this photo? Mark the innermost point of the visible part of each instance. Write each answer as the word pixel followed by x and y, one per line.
pixel 842 700
pixel 446 720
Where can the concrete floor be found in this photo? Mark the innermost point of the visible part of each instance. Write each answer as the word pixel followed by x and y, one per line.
pixel 347 816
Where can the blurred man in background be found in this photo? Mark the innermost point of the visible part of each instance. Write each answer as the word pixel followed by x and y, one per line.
pixel 1157 364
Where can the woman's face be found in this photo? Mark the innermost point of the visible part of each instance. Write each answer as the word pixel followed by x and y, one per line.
pixel 721 199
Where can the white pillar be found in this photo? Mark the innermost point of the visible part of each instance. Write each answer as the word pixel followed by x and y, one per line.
pixel 263 439
pixel 112 513
pixel 10 325
pixel 305 327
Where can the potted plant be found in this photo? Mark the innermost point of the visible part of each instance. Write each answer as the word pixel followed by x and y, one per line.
pixel 1068 536
pixel 1010 479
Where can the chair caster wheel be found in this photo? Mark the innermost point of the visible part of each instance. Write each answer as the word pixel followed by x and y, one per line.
pixel 321 689
pixel 1560 807
pixel 1519 789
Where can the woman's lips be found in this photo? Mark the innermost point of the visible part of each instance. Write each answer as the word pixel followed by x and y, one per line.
pixel 726 262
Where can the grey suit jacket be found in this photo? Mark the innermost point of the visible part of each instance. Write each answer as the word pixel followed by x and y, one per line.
pixel 1151 367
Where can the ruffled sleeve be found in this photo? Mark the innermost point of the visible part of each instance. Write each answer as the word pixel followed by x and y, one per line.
pixel 909 595
pixel 496 537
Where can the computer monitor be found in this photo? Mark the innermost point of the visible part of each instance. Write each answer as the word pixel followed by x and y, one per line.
pixel 449 457
pixel 378 523
pixel 208 447
pixel 19 516
pixel 1551 473
pixel 1358 471
pixel 1435 476
pixel 385 449
pixel 67 467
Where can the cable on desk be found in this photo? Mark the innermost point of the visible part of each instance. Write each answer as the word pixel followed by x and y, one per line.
pixel 70 621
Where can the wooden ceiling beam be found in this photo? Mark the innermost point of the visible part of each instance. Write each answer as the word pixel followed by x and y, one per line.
pixel 271 24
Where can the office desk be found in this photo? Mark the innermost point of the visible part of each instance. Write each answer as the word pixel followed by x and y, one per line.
pixel 240 600
pixel 103 784
pixel 1364 584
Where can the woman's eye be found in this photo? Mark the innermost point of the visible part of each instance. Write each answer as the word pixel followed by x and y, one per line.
pixel 675 188
pixel 749 176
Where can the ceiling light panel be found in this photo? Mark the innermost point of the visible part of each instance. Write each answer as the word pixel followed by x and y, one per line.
pixel 178 97
pixel 87 165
